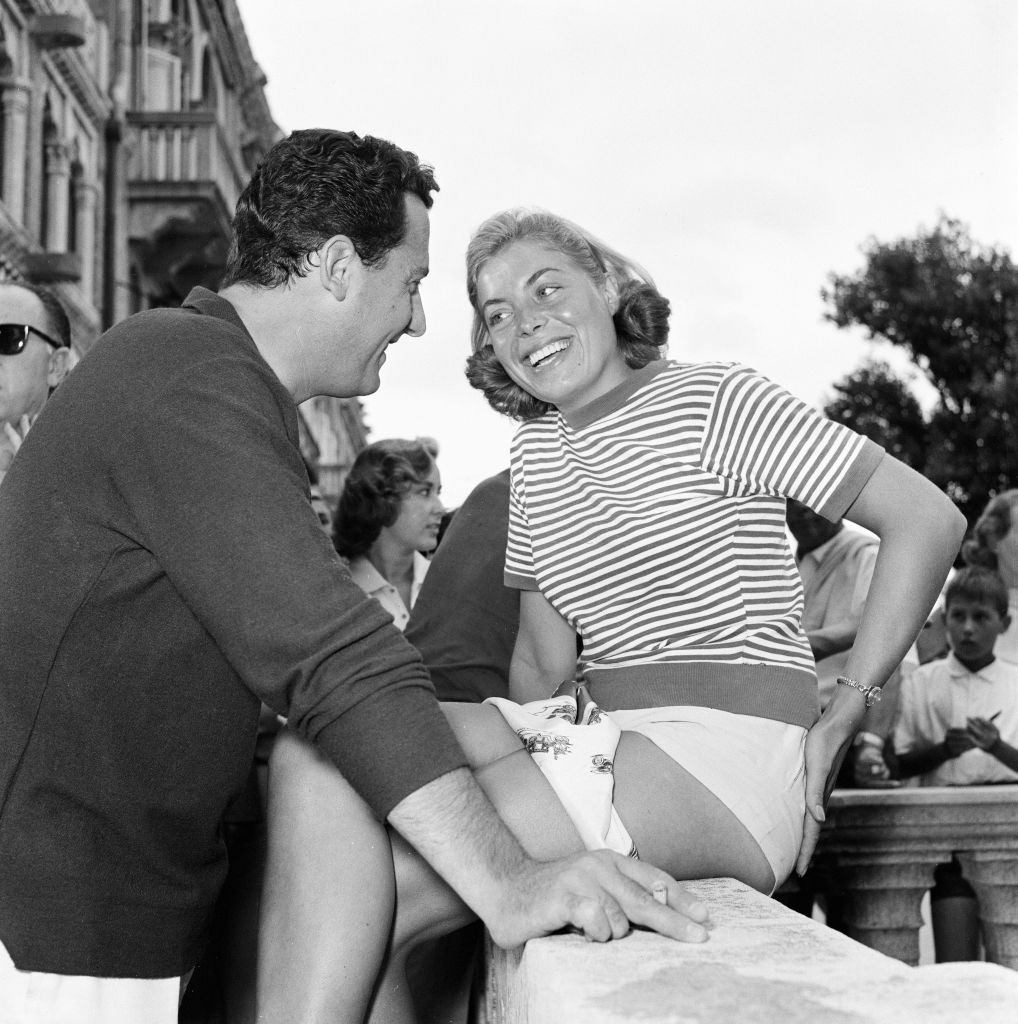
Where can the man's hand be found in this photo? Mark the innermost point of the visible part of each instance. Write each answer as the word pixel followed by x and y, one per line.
pixel 599 894
pixel 957 741
pixel 870 770
pixel 981 733
pixel 10 442
pixel 454 827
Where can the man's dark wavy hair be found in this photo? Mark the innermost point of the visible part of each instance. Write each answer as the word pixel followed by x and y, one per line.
pixel 373 493
pixel 312 185
pixel 641 319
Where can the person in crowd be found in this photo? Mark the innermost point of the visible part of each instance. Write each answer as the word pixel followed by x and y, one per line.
pixel 318 502
pixel 465 620
pixel 387 519
pixel 35 355
pixel 995 545
pixel 647 516
pixel 836 566
pixel 169 575
pixel 958 726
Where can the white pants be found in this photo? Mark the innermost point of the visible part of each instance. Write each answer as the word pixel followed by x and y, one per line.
pixel 33 997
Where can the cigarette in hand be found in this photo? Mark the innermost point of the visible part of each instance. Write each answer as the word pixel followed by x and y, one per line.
pixel 993 718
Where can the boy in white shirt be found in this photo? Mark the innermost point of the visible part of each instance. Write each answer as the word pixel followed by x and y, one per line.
pixel 958 717
pixel 958 726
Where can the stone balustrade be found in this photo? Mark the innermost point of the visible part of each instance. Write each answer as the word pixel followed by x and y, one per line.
pixel 886 843
pixel 762 963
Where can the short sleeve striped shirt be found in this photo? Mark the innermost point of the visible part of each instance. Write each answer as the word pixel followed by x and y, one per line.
pixel 653 520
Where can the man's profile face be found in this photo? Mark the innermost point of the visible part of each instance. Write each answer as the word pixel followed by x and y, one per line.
pixel 26 378
pixel 387 302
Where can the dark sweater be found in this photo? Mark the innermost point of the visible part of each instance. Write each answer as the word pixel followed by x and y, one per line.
pixel 465 619
pixel 161 572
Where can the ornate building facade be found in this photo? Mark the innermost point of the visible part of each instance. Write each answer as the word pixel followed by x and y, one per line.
pixel 127 131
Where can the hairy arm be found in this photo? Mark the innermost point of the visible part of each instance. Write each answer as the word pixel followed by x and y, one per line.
pixel 919 530
pixel 545 651
pixel 452 824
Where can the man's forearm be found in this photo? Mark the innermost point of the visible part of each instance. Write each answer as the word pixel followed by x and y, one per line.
pixel 453 825
pixel 1005 754
pixel 832 639
pixel 919 762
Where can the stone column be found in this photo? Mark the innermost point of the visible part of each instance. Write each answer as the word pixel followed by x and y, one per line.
pixel 15 100
pixel 994 876
pixel 85 197
pixel 58 173
pixel 882 897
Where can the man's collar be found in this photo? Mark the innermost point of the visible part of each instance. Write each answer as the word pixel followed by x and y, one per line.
pixel 993 673
pixel 208 303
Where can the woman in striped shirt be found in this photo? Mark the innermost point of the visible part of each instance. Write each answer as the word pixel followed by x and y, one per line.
pixel 647 519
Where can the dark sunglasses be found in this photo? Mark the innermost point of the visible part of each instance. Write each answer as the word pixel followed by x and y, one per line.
pixel 14 338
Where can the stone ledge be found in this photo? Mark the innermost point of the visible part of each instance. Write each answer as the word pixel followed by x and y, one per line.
pixel 763 963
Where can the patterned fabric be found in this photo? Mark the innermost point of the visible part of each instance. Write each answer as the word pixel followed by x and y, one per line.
pixel 654 520
pixel 573 743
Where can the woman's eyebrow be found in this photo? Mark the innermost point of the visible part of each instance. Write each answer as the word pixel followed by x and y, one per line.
pixel 530 280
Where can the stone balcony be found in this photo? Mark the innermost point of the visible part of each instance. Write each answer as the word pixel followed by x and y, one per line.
pixel 762 964
pixel 184 178
pixel 886 843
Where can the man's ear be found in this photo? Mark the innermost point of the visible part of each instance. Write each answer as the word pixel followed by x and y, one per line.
pixel 337 260
pixel 59 364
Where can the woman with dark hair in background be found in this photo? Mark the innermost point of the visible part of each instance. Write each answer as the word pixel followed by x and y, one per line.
pixel 389 513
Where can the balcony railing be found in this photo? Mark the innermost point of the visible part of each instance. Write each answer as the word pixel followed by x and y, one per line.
pixel 181 148
pixel 886 843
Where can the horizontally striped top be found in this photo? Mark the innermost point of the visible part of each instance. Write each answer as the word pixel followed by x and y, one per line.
pixel 653 521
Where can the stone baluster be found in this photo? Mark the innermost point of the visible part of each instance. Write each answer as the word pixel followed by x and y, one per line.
pixel 15 100
pixel 58 172
pixel 85 200
pixel 883 893
pixel 994 876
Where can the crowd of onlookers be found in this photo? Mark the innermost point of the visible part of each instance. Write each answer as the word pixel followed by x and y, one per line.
pixel 949 714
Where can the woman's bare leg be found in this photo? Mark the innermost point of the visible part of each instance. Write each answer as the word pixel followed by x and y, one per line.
pixel 328 898
pixel 677 824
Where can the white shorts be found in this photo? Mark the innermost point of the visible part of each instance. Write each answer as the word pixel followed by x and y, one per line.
pixel 754 766
pixel 35 997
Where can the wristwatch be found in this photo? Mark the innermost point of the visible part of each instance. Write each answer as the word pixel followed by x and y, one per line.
pixel 871 693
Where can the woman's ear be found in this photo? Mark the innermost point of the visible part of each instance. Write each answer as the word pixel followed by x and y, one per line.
pixel 337 260
pixel 611 293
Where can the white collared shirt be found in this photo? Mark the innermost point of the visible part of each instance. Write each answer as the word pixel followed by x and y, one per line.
pixel 375 585
pixel 942 694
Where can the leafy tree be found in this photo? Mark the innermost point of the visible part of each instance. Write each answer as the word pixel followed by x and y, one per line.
pixel 952 305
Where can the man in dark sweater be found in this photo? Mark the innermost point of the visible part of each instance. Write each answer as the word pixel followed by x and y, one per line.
pixel 162 572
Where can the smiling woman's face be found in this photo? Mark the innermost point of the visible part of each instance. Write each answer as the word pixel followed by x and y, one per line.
pixel 551 325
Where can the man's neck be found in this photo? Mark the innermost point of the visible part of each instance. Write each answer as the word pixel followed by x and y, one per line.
pixel 976 664
pixel 802 550
pixel 271 316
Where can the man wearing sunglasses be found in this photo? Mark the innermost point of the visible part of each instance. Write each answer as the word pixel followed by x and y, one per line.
pixel 34 358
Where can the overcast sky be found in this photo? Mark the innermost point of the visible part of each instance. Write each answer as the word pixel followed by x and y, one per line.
pixel 741 150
